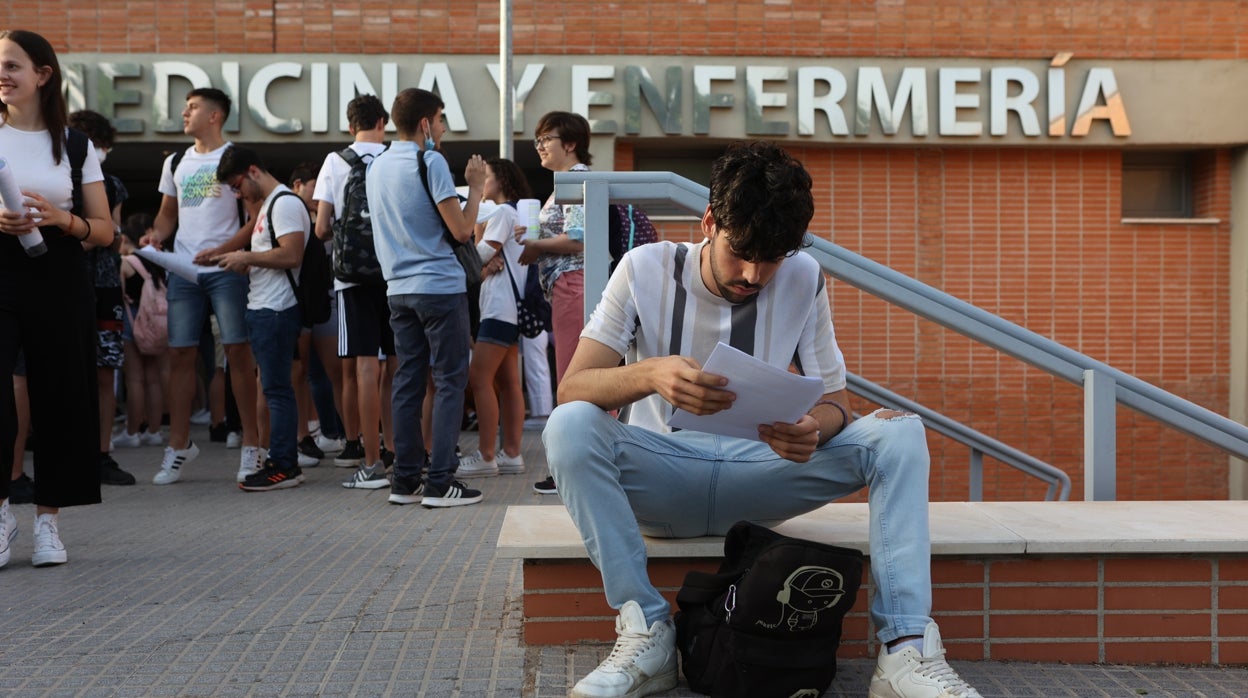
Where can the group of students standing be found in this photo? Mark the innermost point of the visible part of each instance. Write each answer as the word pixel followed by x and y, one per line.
pixel 399 350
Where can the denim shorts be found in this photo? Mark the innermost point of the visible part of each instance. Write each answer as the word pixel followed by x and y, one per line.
pixel 504 334
pixel 224 292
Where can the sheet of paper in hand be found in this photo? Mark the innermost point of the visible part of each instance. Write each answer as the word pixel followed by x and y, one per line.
pixel 765 394
pixel 174 262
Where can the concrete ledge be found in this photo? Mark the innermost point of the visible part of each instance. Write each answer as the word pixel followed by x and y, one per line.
pixel 957 528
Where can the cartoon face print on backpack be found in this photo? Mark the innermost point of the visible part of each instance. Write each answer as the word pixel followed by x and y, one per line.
pixel 805 593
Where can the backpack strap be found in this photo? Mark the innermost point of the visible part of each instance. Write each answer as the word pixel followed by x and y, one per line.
pixel 632 228
pixel 77 144
pixel 173 161
pixel 350 156
pixel 268 216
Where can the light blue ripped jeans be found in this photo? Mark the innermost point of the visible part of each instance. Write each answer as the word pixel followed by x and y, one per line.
pixel 620 481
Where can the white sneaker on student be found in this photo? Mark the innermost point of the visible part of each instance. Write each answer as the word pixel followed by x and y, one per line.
pixel 171 467
pixel 234 439
pixel 152 438
pixel 508 465
pixel 642 663
pixel 250 462
pixel 907 673
pixel 123 439
pixel 329 445
pixel 8 531
pixel 475 466
pixel 49 550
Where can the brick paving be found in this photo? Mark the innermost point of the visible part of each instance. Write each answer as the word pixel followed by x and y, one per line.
pixel 200 589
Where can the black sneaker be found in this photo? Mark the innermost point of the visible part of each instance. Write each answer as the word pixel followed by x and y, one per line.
pixel 387 458
pixel 546 486
pixel 22 490
pixel 112 474
pixel 456 494
pixel 351 455
pixel 307 446
pixel 406 490
pixel 219 432
pixel 271 477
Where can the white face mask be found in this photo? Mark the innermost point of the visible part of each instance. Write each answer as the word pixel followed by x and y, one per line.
pixel 101 154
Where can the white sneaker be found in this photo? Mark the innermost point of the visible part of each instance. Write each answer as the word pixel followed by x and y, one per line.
pixel 329 445
pixel 124 439
pixel 201 418
pixel 250 462
pixel 474 465
pixel 234 439
pixel 49 550
pixel 8 531
pixel 171 467
pixel 152 438
pixel 306 461
pixel 907 673
pixel 508 465
pixel 642 663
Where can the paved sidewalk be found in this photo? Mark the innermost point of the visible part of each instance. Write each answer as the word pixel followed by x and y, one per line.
pixel 200 589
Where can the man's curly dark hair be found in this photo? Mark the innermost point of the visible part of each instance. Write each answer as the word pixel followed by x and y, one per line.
pixel 761 199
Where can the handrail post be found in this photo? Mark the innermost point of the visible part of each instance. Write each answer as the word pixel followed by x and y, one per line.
pixel 597 250
pixel 976 493
pixel 1099 437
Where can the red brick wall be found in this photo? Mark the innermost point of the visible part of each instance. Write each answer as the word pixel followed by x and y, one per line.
pixel 1127 609
pixel 976 28
pixel 1034 235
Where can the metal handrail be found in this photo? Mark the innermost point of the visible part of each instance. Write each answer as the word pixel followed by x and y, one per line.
pixel 670 193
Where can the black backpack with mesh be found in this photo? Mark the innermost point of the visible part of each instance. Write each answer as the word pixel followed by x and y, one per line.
pixel 355 255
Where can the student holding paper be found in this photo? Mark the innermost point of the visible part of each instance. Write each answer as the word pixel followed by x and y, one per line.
pixel 46 302
pixel 663 312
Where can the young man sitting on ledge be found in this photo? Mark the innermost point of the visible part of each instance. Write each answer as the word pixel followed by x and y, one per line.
pixel 665 308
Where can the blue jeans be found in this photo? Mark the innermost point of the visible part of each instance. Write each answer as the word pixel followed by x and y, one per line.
pixel 274 335
pixel 430 332
pixel 621 482
pixel 225 293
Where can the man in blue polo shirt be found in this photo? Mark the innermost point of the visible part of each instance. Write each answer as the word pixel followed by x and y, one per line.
pixel 427 292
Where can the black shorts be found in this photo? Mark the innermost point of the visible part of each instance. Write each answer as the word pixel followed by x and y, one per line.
pixel 364 322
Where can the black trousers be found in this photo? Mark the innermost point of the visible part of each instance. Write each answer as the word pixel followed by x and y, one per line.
pixel 47 308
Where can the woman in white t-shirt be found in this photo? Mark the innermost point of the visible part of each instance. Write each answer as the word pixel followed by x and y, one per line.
pixel 46 302
pixel 494 372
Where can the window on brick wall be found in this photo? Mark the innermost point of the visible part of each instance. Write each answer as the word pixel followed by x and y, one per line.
pixel 1157 185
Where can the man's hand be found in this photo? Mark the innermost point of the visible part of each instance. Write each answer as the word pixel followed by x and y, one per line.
pixel 681 381
pixel 233 261
pixel 208 258
pixel 795 442
pixel 474 172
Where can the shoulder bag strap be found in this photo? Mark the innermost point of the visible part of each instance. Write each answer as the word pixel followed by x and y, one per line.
pixel 424 180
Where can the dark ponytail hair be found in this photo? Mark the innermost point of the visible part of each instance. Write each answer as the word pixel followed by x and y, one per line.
pixel 51 100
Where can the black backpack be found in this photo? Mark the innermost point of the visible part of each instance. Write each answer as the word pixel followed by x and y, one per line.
pixel 769 622
pixel 312 291
pixel 355 255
